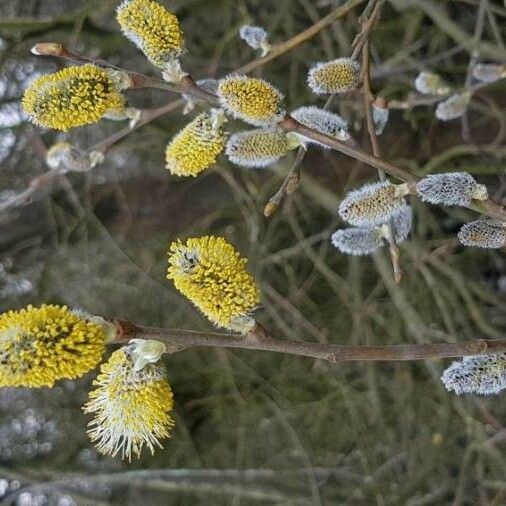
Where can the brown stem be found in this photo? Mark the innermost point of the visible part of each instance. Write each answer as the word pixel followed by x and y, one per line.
pixel 179 339
pixel 368 98
pixel 487 207
pixel 279 49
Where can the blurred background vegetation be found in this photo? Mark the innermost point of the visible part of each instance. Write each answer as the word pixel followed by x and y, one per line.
pixel 254 427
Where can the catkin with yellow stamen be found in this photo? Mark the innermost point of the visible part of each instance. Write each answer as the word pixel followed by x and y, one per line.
pixel 212 274
pixel 259 148
pixel 72 97
pixel 196 147
pixel 131 406
pixel 336 76
pixel 153 29
pixel 373 204
pixel 41 345
pixel 253 100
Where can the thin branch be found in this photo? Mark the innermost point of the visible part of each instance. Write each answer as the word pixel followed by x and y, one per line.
pixel 487 207
pixel 179 340
pixel 368 98
pixel 279 49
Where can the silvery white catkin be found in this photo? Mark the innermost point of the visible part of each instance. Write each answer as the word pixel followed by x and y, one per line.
pixel 357 240
pixel 453 107
pixel 483 374
pixel 366 240
pixel 483 233
pixel 402 223
pixel 380 118
pixel 372 204
pixel 429 83
pixel 489 72
pixel 323 121
pixel 254 36
pixel 451 189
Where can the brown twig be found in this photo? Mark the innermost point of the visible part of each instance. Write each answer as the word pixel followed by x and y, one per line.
pixel 368 98
pixel 178 340
pixel 279 49
pixel 487 207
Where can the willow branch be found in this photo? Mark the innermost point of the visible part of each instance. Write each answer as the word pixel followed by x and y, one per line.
pixel 179 340
pixel 279 49
pixel 487 207
pixel 368 99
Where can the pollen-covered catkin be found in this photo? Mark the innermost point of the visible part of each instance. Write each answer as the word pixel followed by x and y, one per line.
pixel 257 148
pixel 41 345
pixel 131 406
pixel 482 374
pixel 453 107
pixel 253 100
pixel 323 121
pixel 336 76
pixel 372 204
pixel 483 233
pixel 429 83
pixel 451 189
pixel 196 147
pixel 153 29
pixel 72 97
pixel 212 274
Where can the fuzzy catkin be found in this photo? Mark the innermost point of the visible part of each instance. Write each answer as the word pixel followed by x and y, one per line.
pixel 450 189
pixel 255 101
pixel 212 274
pixel 357 241
pixel 257 148
pixel 371 204
pixel 73 97
pixel 195 148
pixel 483 233
pixel 429 83
pixel 153 29
pixel 336 76
pixel 366 240
pixel 483 374
pixel 453 107
pixel 322 121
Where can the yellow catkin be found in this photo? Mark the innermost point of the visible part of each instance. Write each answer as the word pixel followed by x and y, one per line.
pixel 212 274
pixel 195 148
pixel 253 100
pixel 153 29
pixel 41 345
pixel 72 97
pixel 337 76
pixel 131 407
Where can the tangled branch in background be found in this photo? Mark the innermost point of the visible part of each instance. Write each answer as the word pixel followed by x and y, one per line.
pixel 132 401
